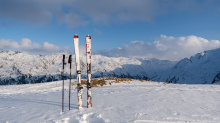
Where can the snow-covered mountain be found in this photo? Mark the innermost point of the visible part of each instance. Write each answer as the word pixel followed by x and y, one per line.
pixel 23 68
pixel 202 68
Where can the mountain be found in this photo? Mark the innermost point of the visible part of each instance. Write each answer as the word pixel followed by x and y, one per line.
pixel 23 68
pixel 202 68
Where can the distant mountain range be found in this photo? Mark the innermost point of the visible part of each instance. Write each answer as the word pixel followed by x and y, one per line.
pixel 202 68
pixel 24 68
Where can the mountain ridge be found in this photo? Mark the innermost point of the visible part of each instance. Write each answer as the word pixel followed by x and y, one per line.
pixel 201 68
pixel 23 68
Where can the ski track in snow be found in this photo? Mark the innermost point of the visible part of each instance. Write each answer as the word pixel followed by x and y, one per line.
pixel 134 102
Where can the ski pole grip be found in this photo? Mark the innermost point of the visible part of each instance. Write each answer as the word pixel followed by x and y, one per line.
pixel 63 61
pixel 70 60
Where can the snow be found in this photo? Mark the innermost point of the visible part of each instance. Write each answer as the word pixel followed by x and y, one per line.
pixel 130 102
pixel 202 68
pixel 23 68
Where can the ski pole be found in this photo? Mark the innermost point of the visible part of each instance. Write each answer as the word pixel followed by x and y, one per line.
pixel 63 84
pixel 70 62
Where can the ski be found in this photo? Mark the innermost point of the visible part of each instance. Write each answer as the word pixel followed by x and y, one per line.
pixel 88 58
pixel 78 71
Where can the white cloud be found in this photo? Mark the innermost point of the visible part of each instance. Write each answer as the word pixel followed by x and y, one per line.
pixel 47 47
pixel 82 12
pixel 166 48
pixel 27 45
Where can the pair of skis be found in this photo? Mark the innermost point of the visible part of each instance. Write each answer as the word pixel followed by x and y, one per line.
pixel 78 71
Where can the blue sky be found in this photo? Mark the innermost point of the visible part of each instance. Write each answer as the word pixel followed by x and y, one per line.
pixel 111 24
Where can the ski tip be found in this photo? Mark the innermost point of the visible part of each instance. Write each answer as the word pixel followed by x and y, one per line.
pixel 75 36
pixel 88 36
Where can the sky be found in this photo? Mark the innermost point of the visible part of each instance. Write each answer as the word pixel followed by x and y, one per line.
pixel 162 29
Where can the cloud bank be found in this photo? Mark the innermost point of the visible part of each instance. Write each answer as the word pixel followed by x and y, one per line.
pixel 164 48
pixel 82 12
pixel 27 45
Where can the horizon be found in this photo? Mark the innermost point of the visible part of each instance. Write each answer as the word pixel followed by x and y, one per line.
pixel 84 54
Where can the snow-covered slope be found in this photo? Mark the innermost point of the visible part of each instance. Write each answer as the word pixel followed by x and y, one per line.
pixel 202 68
pixel 22 68
pixel 133 102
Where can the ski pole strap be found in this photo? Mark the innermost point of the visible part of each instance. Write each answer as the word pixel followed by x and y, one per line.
pixel 78 71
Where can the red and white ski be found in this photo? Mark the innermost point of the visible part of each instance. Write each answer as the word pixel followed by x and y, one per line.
pixel 88 58
pixel 78 71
